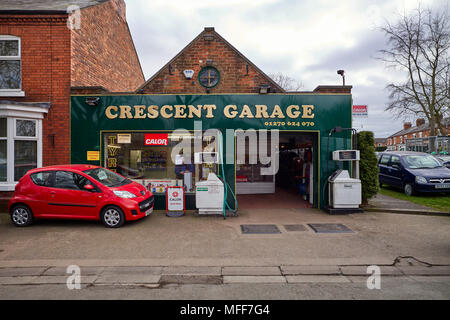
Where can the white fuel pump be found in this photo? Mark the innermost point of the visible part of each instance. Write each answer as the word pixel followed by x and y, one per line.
pixel 344 192
pixel 209 195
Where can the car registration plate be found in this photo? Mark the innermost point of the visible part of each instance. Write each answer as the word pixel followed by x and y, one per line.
pixel 148 211
pixel 442 186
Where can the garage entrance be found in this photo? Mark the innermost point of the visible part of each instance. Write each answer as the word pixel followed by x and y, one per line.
pixel 292 186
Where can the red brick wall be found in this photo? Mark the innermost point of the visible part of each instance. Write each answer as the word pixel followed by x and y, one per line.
pixel 45 42
pixel 234 77
pixel 103 52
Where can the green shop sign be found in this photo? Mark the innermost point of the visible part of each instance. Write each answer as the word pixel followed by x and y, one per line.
pixel 314 113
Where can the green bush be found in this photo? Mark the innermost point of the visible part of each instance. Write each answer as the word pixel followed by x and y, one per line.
pixel 368 168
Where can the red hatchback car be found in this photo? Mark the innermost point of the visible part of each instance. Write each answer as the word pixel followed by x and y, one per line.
pixel 79 192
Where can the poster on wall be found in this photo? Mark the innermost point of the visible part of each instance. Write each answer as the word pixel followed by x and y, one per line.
pixel 175 206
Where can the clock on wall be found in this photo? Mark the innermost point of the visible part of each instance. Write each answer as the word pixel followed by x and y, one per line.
pixel 209 77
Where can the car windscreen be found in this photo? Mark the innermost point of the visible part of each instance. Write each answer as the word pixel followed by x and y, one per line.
pixel 421 162
pixel 107 178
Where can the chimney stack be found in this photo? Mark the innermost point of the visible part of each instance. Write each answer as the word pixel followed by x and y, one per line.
pixel 406 125
pixel 121 8
pixel 420 122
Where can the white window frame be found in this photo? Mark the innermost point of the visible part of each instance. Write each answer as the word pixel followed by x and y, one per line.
pixel 16 137
pixel 13 92
pixel 5 139
pixel 11 137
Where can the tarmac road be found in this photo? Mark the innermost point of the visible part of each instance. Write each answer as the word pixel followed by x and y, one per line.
pixel 405 288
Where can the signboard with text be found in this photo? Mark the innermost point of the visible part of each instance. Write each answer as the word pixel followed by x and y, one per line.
pixel 156 139
pixel 360 111
pixel 175 201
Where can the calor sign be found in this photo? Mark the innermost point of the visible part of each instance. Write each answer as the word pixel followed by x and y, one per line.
pixel 156 139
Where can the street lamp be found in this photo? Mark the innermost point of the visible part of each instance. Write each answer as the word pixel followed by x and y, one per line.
pixel 341 73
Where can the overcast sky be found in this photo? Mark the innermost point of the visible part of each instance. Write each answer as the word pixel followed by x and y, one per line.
pixel 308 40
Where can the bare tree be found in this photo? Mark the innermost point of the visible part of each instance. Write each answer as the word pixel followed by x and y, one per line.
pixel 419 44
pixel 286 82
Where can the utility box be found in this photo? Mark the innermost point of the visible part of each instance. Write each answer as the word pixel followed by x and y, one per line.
pixel 209 195
pixel 344 192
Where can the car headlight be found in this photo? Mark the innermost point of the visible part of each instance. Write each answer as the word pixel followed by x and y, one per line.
pixel 421 180
pixel 124 194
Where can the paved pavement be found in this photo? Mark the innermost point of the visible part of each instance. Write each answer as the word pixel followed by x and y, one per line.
pixel 399 281
pixel 158 276
pixel 405 288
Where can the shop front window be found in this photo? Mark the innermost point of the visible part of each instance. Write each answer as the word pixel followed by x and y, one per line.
pixel 25 157
pixel 251 167
pixel 146 157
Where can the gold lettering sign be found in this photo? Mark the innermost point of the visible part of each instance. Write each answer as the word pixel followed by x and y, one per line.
pixel 112 151
pixel 208 111
pixel 112 139
pixel 112 163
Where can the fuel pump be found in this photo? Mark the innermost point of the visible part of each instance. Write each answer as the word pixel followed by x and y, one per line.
pixel 344 192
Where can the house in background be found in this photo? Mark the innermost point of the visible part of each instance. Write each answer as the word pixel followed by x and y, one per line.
pixel 43 59
pixel 380 144
pixel 416 138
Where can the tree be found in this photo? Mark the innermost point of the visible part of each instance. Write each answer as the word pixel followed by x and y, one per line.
pixel 368 165
pixel 286 82
pixel 419 44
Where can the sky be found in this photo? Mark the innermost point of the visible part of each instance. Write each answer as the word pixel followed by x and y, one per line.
pixel 308 40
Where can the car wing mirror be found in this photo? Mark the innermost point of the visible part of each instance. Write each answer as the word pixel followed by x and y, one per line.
pixel 89 187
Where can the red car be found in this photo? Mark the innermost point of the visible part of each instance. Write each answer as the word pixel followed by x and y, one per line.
pixel 79 192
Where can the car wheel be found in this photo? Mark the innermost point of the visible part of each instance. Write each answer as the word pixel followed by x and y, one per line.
pixel 409 190
pixel 113 217
pixel 21 216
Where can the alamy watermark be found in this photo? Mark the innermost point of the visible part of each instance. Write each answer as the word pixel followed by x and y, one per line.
pixel 374 280
pixel 74 280
pixel 250 146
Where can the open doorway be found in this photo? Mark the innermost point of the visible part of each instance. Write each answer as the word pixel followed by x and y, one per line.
pixel 292 186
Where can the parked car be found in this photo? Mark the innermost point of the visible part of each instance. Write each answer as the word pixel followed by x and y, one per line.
pixel 78 192
pixel 413 172
pixel 444 159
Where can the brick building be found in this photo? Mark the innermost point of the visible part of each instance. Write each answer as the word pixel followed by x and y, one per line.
pixel 398 140
pixel 233 72
pixel 211 83
pixel 209 51
pixel 43 58
pixel 380 143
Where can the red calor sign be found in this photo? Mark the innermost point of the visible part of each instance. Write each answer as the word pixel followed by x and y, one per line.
pixel 156 139
pixel 175 205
